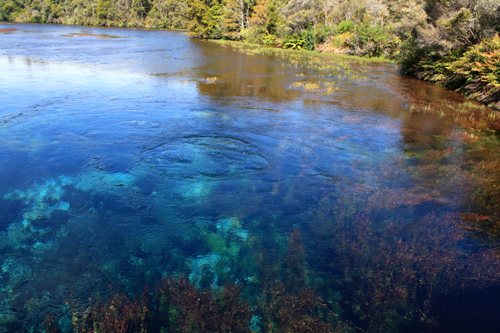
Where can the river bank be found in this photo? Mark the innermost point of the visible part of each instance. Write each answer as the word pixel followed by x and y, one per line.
pixel 470 69
pixel 473 72
pixel 473 79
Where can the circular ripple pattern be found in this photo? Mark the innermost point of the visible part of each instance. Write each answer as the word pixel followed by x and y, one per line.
pixel 205 157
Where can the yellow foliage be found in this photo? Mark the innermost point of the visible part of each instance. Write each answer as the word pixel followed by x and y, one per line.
pixel 338 41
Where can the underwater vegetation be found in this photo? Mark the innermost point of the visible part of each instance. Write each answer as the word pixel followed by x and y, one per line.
pixel 482 220
pixel 371 256
pixel 325 87
pixel 180 306
pixel 392 271
pixel 119 314
pixel 286 308
pixel 363 258
pixel 469 114
pixel 177 305
pixel 376 273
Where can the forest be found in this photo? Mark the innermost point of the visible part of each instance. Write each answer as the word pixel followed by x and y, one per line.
pixel 454 43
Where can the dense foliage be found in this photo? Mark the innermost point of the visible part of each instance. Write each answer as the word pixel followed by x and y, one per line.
pixel 122 13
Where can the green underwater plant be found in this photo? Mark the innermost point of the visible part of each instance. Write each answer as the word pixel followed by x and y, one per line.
pixel 228 244
pixel 289 304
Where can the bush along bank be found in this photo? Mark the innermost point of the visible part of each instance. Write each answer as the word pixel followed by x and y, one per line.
pixel 474 72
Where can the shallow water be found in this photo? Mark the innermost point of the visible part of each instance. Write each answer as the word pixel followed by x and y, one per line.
pixel 129 155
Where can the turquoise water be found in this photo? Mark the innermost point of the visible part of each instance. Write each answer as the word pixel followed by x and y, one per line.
pixel 131 155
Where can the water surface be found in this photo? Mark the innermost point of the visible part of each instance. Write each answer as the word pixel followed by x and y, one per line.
pixel 129 155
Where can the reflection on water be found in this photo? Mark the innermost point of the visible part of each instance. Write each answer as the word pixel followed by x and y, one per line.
pixel 329 194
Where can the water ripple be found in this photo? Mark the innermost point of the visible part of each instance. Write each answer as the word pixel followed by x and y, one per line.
pixel 197 157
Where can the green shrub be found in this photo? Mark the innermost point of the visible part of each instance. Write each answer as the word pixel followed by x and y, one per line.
pixel 305 40
pixel 9 10
pixel 269 40
pixel 370 41
pixel 322 33
pixel 344 26
pixel 255 35
pixel 309 40
pixel 36 18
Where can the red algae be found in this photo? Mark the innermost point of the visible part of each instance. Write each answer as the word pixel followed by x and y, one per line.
pixel 8 30
pixel 89 35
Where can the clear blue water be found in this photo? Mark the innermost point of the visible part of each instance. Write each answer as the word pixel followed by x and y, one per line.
pixel 129 155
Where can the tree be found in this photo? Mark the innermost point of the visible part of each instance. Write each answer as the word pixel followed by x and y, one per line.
pixel 205 18
pixel 140 8
pixel 235 17
pixel 102 9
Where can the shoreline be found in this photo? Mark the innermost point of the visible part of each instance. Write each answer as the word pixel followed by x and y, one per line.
pixel 473 90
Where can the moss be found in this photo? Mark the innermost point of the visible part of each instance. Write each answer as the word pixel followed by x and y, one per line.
pixel 216 243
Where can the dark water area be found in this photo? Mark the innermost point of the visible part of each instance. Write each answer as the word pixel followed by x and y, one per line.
pixel 128 156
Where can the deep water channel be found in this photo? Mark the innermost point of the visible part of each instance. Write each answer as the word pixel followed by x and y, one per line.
pixel 129 156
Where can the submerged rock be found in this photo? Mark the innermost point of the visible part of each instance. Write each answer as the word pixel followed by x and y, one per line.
pixel 232 226
pixel 119 179
pixel 42 200
pixel 50 190
pixel 201 265
pixel 16 272
pixel 196 190
pixel 100 181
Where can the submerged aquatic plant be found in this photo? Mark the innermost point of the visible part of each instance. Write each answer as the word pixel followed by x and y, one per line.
pixel 211 79
pixel 180 306
pixel 294 272
pixel 175 305
pixel 118 315
pixel 323 87
pixel 391 271
pixel 228 244
pixel 307 86
pixel 295 311
pixel 290 305
pixel 482 220
pixel 468 114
